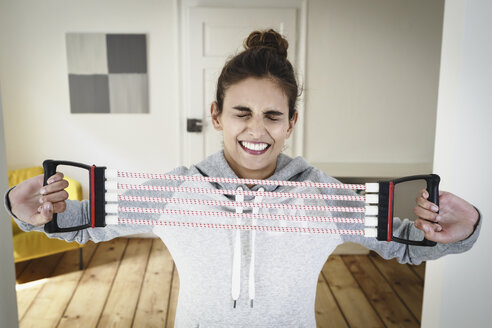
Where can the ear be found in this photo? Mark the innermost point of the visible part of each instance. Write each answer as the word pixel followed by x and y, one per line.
pixel 292 123
pixel 214 113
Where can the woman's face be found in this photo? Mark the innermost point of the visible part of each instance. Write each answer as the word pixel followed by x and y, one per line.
pixel 255 124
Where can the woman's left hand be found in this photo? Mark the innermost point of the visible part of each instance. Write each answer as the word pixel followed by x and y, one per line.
pixel 455 221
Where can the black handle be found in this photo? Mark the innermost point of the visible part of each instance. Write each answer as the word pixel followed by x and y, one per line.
pixel 432 181
pixel 50 167
pixel 49 170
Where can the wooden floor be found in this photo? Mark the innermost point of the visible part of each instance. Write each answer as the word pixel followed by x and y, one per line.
pixel 122 286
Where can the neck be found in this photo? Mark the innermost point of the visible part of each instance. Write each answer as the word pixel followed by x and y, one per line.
pixel 254 174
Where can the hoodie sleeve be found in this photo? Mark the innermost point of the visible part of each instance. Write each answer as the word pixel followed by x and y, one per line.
pixel 414 254
pixel 403 229
pixel 78 213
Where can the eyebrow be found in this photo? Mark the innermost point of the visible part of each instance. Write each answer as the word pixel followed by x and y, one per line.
pixel 274 112
pixel 269 112
pixel 242 108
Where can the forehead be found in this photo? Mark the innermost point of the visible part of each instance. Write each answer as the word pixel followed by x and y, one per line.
pixel 257 94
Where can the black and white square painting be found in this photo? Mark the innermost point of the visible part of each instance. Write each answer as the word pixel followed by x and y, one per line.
pixel 107 73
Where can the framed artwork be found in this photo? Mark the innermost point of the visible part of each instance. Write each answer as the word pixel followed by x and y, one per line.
pixel 107 73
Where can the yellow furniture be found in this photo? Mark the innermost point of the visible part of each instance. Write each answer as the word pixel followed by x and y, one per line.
pixel 34 244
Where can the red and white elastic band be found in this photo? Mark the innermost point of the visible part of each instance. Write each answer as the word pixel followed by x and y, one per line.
pixel 121 220
pixel 112 174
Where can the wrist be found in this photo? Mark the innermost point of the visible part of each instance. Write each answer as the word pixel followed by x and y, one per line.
pixel 8 201
pixel 476 218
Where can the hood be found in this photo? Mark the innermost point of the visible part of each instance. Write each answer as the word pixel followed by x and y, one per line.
pixel 287 169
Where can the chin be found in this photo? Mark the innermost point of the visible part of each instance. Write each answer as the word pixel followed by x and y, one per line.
pixel 256 164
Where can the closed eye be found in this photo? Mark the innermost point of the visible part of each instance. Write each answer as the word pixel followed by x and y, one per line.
pixel 242 111
pixel 274 115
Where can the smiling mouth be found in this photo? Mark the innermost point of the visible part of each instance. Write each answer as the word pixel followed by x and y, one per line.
pixel 254 148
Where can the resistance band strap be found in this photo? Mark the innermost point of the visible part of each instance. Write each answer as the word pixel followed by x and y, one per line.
pixel 206 202
pixel 119 220
pixel 113 209
pixel 123 174
pixel 114 185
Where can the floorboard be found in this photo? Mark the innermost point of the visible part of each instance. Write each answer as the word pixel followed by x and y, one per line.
pixel 173 299
pixel 404 282
pixel 353 303
pixel 379 293
pixel 48 307
pixel 419 270
pixel 33 279
pixel 122 301
pixel 154 297
pixel 327 311
pixel 90 296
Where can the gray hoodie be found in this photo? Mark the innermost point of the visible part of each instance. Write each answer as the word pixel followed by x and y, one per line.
pixel 278 270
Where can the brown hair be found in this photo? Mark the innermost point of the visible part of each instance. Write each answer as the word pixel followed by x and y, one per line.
pixel 264 55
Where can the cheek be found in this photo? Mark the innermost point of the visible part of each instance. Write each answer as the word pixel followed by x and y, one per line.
pixel 231 130
pixel 279 132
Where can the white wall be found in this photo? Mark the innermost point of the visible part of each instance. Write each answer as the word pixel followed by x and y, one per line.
pixel 33 73
pixel 8 299
pixel 371 80
pixel 369 64
pixel 458 288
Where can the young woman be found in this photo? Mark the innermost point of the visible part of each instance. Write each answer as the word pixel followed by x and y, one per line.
pixel 223 271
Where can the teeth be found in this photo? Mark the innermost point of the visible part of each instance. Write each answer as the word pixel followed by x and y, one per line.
pixel 254 146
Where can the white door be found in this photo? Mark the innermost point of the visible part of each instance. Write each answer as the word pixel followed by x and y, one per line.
pixel 210 36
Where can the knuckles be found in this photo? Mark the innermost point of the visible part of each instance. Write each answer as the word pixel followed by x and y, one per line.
pixel 63 207
pixel 60 207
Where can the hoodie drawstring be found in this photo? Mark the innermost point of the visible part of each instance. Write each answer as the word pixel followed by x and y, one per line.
pixel 258 199
pixel 236 261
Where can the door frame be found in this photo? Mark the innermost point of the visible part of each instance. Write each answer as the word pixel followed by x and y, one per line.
pixel 8 296
pixel 183 12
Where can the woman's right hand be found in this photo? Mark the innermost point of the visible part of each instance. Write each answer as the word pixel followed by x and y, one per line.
pixel 34 203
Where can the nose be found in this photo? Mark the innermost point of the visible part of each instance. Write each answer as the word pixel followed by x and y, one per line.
pixel 256 128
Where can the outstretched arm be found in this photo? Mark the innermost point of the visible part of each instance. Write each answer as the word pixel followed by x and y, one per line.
pixel 459 226
pixel 33 205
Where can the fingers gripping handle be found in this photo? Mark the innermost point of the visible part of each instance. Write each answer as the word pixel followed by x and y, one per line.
pixel 433 190
pixel 96 195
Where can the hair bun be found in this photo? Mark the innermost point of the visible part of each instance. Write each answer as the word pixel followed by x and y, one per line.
pixel 269 39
